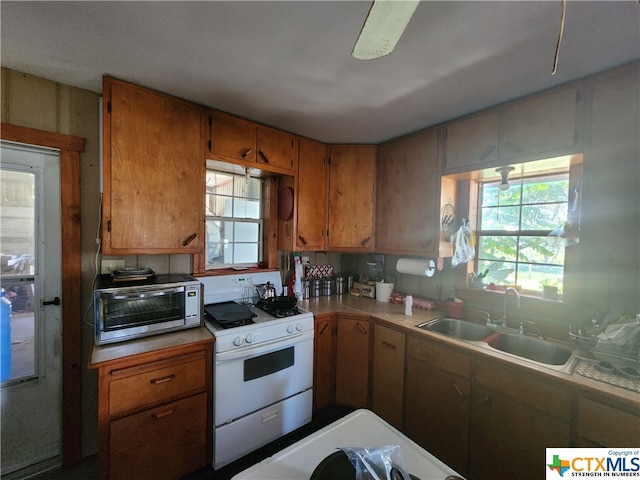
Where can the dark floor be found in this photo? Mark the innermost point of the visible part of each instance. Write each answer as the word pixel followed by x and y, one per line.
pixel 88 468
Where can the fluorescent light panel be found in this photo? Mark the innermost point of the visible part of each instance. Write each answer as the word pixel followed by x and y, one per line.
pixel 383 27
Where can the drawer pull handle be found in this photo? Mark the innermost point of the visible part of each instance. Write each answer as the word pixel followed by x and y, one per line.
pixel 269 415
pixel 388 345
pixel 458 391
pixel 164 413
pixel 168 378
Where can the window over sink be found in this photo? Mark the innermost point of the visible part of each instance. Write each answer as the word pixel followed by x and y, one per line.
pixel 234 220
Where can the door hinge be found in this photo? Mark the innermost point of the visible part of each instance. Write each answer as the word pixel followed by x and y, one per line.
pixel 210 120
pixel 108 225
pixel 209 145
pixel 109 106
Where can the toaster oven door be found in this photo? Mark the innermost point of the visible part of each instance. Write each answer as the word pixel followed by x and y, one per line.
pixel 127 313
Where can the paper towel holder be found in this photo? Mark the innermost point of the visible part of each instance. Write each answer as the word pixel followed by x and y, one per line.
pixel 422 267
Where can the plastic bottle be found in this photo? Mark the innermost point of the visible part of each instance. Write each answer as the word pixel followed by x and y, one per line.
pixel 5 337
pixel 408 304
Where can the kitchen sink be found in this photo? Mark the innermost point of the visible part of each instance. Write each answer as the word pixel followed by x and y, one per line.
pixel 460 329
pixel 531 348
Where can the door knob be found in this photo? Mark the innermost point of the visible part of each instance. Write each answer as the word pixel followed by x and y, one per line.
pixel 55 301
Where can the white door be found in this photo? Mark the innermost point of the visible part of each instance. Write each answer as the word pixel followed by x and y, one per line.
pixel 30 244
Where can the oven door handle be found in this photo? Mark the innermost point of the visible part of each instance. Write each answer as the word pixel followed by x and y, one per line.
pixel 250 351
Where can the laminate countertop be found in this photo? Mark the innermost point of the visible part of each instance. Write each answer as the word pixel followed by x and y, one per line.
pixel 393 315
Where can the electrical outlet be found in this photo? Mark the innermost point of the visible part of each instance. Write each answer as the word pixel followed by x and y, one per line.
pixel 108 266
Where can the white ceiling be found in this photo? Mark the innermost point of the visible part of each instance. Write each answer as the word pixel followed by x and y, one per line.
pixel 289 64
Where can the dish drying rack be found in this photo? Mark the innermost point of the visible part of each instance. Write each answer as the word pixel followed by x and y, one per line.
pixel 606 356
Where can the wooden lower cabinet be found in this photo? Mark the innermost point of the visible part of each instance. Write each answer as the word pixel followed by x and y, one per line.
pixel 155 413
pixel 436 404
pixel 324 361
pixel 513 419
pixel 352 360
pixel 602 425
pixel 388 374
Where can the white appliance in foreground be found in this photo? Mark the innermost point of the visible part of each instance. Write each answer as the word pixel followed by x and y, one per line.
pixel 361 428
pixel 263 368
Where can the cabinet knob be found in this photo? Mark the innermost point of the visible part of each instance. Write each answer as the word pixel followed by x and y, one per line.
pixel 323 330
pixel 487 151
pixel 361 328
pixel 365 241
pixel 486 400
pixel 246 153
pixel 264 156
pixel 189 239
pixel 302 239
pixel 459 392
pixel 388 345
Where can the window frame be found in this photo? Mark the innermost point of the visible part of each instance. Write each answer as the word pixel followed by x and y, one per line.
pixel 234 220
pixel 465 191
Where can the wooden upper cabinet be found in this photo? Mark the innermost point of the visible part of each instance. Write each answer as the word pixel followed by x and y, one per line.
pixel 541 127
pixel 472 142
pixel 153 172
pixel 352 181
pixel 311 196
pixel 277 150
pixel 231 138
pixel 407 220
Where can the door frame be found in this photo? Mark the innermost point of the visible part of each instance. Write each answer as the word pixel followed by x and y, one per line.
pixel 71 289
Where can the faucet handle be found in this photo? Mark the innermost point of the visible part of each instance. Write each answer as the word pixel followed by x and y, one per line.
pixel 488 315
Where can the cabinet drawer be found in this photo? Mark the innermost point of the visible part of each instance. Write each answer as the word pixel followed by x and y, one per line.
pixel 439 357
pixel 168 441
pixel 134 391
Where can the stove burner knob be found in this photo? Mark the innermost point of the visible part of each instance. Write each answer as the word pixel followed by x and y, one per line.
pixel 237 341
pixel 250 338
pixel 299 326
pixel 289 328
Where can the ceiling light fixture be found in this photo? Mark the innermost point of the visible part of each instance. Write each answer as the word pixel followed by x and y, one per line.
pixel 382 28
pixel 504 173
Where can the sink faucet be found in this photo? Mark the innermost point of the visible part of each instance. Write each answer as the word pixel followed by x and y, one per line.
pixel 506 292
pixel 533 325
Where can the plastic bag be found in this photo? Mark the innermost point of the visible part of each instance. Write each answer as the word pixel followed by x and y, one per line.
pixel 378 463
pixel 463 242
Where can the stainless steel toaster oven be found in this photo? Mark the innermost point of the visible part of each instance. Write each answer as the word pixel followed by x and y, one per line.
pixel 128 310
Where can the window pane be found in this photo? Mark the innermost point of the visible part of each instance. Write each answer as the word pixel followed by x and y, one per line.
pixel 500 218
pixel 245 253
pixel 497 248
pixel 215 243
pixel 543 217
pixel 246 208
pixel 493 196
pixel 500 273
pixel 220 183
pixel 549 189
pixel 541 250
pixel 247 232
pixel 532 277
pixel 21 361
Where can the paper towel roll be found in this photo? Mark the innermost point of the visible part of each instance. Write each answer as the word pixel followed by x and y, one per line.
pixel 416 266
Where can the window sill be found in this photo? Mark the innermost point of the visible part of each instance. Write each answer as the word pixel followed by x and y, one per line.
pixel 231 271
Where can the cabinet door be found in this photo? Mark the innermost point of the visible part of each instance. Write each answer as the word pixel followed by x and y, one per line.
pixel 165 442
pixel 472 142
pixel 539 127
pixel 311 196
pixel 437 412
pixel 352 361
pixel 601 425
pixel 352 180
pixel 324 372
pixel 153 170
pixel 518 416
pixel 407 220
pixel 388 374
pixel 277 150
pixel 520 432
pixel 232 138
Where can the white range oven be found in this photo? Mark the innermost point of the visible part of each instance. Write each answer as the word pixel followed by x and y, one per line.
pixel 263 364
